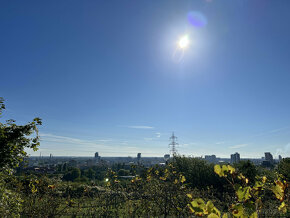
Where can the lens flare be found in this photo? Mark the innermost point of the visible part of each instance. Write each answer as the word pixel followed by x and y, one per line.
pixel 183 42
pixel 196 19
pixel 178 55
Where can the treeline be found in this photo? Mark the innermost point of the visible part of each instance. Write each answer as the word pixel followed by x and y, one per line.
pixel 185 187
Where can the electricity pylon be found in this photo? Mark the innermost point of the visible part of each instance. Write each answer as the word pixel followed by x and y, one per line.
pixel 173 144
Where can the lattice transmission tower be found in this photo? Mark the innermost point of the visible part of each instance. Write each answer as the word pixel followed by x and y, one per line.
pixel 173 144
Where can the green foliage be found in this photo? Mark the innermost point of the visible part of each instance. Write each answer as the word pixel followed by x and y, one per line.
pixel 284 168
pixel 72 175
pixel 249 197
pixel 15 138
pixel 158 192
pixel 199 208
pixel 248 169
pixel 2 105
pixel 90 173
pixel 64 167
pixel 100 172
pixel 123 172
pixel 10 200
pixel 198 172
pixel 279 189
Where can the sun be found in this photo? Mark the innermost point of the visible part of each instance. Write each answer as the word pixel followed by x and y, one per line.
pixel 183 42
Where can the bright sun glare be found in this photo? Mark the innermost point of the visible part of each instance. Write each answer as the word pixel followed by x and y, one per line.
pixel 183 42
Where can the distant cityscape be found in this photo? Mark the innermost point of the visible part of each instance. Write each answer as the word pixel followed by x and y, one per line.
pixel 50 163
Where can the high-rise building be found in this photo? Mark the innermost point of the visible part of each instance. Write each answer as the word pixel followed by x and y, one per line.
pixel 280 157
pixel 139 156
pixel 97 157
pixel 269 157
pixel 235 158
pixel 210 158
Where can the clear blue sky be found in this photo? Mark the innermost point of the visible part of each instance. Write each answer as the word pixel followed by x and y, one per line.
pixel 107 76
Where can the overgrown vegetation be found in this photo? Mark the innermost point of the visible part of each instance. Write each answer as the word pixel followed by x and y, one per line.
pixel 186 187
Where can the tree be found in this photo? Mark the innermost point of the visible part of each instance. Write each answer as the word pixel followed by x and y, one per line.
pixel 15 138
pixel 198 172
pixel 90 173
pixel 123 172
pixel 248 169
pixel 64 167
pixel 284 167
pixel 75 173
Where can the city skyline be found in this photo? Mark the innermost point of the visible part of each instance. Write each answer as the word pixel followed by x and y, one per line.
pixel 207 157
pixel 131 153
pixel 119 78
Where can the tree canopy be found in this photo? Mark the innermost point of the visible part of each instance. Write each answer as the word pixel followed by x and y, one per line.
pixel 248 169
pixel 14 139
pixel 284 167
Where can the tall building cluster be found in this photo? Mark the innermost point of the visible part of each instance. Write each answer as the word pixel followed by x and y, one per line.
pixel 210 158
pixel 235 158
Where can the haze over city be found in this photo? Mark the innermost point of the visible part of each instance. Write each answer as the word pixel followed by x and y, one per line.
pixel 119 77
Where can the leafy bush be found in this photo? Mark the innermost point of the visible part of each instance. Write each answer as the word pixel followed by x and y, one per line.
pixel 10 200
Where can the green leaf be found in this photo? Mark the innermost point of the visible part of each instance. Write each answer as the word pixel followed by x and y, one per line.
pixel 209 206
pixel 238 210
pixel 198 205
pixel 243 194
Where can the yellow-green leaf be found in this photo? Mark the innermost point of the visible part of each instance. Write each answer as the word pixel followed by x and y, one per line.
pixel 254 215
pixel 283 207
pixel 198 205
pixel 226 215
pixel 238 210
pixel 209 206
pixel 278 190
pixel 213 215
pixel 218 170
pixel 189 195
pixel 231 169
pixel 183 179
pixel 225 168
pixel 243 193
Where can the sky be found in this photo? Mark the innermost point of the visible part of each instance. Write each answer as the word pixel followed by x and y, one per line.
pixel 109 76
